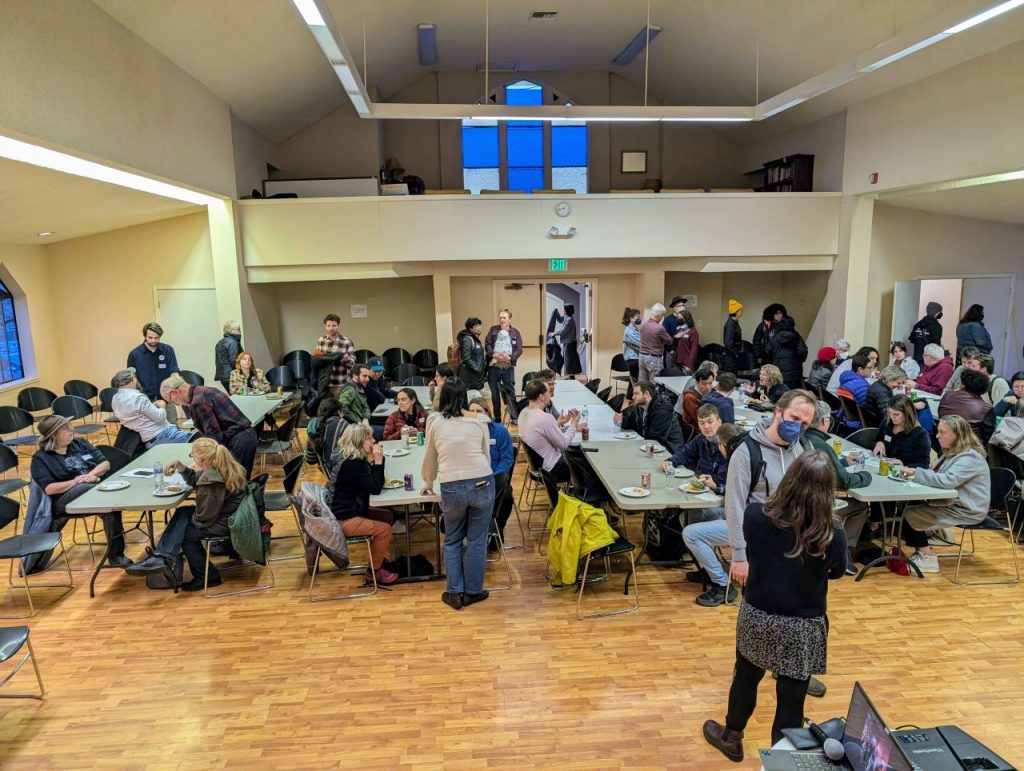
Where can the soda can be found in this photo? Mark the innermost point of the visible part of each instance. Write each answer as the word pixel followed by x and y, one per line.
pixel 421 438
pixel 649 449
pixel 408 481
pixel 280 390
pixel 837 446
pixel 585 431
pixel 645 480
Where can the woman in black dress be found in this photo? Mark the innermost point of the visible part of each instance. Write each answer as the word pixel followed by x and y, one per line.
pixel 794 548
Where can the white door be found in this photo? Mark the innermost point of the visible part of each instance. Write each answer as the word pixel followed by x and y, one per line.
pixel 906 298
pixel 191 327
pixel 996 296
pixel 946 292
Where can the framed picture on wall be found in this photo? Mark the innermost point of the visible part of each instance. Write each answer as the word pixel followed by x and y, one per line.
pixel 633 162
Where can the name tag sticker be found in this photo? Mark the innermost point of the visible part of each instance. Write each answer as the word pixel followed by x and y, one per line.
pixel 492 442
pixel 888 438
pixel 161 366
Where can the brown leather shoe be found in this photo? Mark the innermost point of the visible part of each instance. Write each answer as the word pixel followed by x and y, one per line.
pixel 725 740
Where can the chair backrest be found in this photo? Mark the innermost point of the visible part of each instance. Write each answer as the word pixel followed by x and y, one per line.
pixel 81 388
pixel 577 473
pixel 508 397
pixel 192 378
pixel 687 430
pixel 616 402
pixel 604 394
pixel 14 419
pixel 711 349
pixel 425 358
pixel 9 509
pixel 403 372
pixel 537 466
pixel 107 399
pixel 8 459
pixel 291 473
pixel 864 437
pixel 74 407
pixel 868 417
pixel 619 363
pixel 118 459
pixel 745 361
pixel 397 356
pixel 850 407
pixel 281 377
pixel 363 355
pixel 286 430
pixel 1003 480
pixel 300 368
pixel 415 380
pixel 35 399
pixel 830 399
pixel 527 378
pixel 297 355
pixel 592 385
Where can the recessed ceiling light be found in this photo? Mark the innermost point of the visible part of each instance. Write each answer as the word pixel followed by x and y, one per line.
pixel 45 233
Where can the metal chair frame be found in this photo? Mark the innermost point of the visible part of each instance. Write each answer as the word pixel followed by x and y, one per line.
pixel 28 586
pixel 17 667
pixel 349 540
pixel 207 543
pixel 606 553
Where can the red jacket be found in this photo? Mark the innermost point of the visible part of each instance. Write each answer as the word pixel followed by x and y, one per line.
pixel 934 377
pixel 687 347
pixel 396 422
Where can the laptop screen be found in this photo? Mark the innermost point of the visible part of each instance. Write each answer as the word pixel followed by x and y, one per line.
pixel 867 742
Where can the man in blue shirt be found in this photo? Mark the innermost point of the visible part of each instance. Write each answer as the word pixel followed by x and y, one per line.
pixel 153 362
pixel 722 397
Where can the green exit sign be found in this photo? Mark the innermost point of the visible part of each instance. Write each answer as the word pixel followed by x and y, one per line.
pixel 559 266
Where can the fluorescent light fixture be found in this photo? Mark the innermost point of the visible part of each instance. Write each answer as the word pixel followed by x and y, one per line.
pixel 513 118
pixel 707 120
pixel 784 107
pixel 45 233
pixel 906 51
pixel 310 13
pixel 427 34
pixel 636 45
pixel 25 152
pixel 991 13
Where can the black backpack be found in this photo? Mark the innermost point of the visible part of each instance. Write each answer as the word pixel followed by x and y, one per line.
pixel 663 537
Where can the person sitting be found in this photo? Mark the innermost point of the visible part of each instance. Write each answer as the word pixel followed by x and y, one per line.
pixel 846 365
pixel 770 386
pixel 901 437
pixel 822 368
pixel 66 468
pixel 881 391
pixel 842 351
pixel 898 357
pixel 246 379
pixel 358 474
pixel 855 515
pixel 1013 403
pixel 377 391
pixel 409 418
pixel 721 398
pixel 704 456
pixel 966 402
pixel 854 384
pixel 651 417
pixel 966 357
pixel 215 416
pixel 353 399
pixel 220 485
pixel 997 386
pixel 503 458
pixel 543 433
pixel 937 370
pixel 961 467
pixel 692 396
pixel 137 413
pixel 323 431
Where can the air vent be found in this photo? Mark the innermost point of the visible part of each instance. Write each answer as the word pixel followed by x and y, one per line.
pixel 543 14
pixel 499 66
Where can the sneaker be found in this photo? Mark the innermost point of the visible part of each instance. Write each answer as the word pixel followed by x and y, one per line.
pixel 926 563
pixel 153 564
pixel 196 584
pixel 452 599
pixel 851 569
pixel 384 577
pixel 398 527
pixel 715 596
pixel 469 599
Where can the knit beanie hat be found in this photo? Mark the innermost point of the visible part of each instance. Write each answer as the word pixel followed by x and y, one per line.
pixel 734 306
pixel 827 353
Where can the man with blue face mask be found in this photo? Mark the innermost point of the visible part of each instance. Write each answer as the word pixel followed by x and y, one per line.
pixel 757 464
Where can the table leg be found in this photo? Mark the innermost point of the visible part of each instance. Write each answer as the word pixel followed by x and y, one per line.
pixel 898 537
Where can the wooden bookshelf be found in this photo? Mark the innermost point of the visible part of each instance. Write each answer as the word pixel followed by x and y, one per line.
pixel 792 174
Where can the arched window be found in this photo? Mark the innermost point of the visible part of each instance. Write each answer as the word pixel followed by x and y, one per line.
pixel 524 154
pixel 11 365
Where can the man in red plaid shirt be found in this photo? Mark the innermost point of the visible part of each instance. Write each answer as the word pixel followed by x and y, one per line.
pixel 335 342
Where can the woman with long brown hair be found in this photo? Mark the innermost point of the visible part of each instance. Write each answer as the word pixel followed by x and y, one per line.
pixel 794 548
pixel 246 378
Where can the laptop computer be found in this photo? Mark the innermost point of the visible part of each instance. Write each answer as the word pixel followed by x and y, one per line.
pixel 866 739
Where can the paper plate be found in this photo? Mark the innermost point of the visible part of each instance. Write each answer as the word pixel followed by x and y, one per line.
pixel 687 489
pixel 626 435
pixel 657 449
pixel 169 491
pixel 111 486
pixel 683 473
pixel 393 484
pixel 634 492
pixel 397 453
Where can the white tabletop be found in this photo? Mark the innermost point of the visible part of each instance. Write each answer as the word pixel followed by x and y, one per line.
pixel 138 496
pixel 675 384
pixel 572 393
pixel 883 489
pixel 397 468
pixel 255 408
pixel 422 396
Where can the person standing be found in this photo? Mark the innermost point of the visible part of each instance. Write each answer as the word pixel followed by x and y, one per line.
pixel 770 317
pixel 788 351
pixel 458 454
pixel 215 416
pixel 332 341
pixel 152 360
pixel 472 370
pixel 676 310
pixel 653 342
pixel 137 413
pixel 926 331
pixel 631 319
pixel 732 334
pixel 687 343
pixel 794 550
pixel 226 352
pixel 567 336
pixel 971 332
pixel 503 346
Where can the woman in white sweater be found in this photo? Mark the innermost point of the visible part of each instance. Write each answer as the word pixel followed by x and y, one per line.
pixel 458 454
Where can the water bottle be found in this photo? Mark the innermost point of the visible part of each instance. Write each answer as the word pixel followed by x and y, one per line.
pixel 158 475
pixel 584 414
pixel 670 477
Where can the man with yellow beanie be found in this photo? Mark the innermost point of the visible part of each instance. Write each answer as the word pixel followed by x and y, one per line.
pixel 732 335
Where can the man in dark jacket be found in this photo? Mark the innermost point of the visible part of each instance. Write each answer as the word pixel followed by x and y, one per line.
pixel 788 351
pixel 652 418
pixel 765 331
pixel 377 391
pixel 855 514
pixel 226 352
pixel 927 330
pixel 721 398
pixel 703 455
pixel 472 372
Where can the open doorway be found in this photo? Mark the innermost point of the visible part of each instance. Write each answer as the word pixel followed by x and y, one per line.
pixel 569 327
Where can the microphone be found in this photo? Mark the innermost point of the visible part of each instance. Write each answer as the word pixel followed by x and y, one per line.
pixel 833 749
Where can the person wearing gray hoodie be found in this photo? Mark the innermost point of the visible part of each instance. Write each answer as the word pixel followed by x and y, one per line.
pixel 779 445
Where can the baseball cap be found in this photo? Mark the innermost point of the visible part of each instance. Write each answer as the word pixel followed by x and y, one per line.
pixel 376 363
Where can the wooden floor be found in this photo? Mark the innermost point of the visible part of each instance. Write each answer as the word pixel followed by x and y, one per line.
pixel 147 679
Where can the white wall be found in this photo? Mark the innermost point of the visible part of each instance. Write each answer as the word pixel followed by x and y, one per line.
pixel 251 154
pixel 825 140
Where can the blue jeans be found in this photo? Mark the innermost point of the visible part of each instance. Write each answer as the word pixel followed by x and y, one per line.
pixel 181 535
pixel 496 375
pixel 169 435
pixel 701 538
pixel 467 506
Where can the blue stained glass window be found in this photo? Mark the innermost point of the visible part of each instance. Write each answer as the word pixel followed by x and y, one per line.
pixel 480 160
pixel 524 140
pixel 523 92
pixel 11 367
pixel 569 156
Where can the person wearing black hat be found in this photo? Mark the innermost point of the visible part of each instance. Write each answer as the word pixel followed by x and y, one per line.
pixel 926 331
pixel 770 318
pixel 676 313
